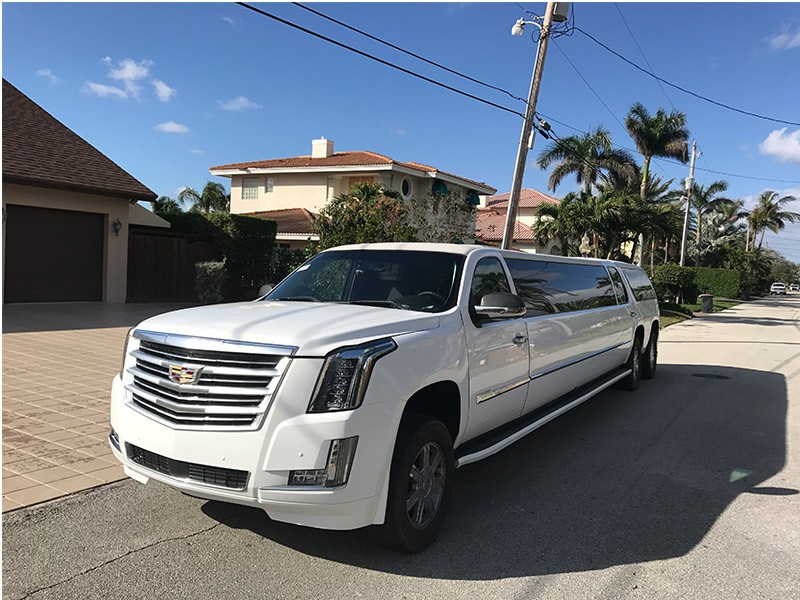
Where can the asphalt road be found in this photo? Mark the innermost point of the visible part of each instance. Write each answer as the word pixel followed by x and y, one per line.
pixel 687 488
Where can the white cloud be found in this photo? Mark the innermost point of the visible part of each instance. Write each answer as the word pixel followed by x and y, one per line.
pixel 46 72
pixel 106 60
pixel 785 146
pixel 103 90
pixel 163 90
pixel 785 40
pixel 129 72
pixel 238 103
pixel 229 20
pixel 171 127
pixel 195 151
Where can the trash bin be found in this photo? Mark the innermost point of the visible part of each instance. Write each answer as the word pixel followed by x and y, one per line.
pixel 706 303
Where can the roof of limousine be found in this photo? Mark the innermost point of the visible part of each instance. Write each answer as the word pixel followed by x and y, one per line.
pixel 465 249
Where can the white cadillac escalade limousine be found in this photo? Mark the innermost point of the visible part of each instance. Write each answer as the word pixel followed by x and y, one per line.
pixel 348 395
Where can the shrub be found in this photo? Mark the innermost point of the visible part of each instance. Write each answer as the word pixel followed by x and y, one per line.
pixel 245 244
pixel 284 261
pixel 724 283
pixel 211 277
pixel 676 279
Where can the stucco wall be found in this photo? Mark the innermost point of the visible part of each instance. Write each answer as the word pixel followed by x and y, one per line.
pixel 115 259
pixel 290 190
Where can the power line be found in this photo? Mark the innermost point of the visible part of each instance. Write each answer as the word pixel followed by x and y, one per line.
pixel 376 59
pixel 633 37
pixel 472 96
pixel 409 53
pixel 684 90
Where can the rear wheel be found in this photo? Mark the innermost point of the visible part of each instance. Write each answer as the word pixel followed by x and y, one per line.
pixel 419 485
pixel 650 358
pixel 631 382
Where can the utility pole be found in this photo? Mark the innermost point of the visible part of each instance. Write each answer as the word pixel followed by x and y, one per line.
pixel 526 137
pixel 689 185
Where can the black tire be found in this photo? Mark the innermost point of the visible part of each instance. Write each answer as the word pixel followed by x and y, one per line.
pixel 631 382
pixel 421 441
pixel 650 358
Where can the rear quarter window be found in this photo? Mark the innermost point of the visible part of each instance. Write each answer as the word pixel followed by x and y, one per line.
pixel 640 283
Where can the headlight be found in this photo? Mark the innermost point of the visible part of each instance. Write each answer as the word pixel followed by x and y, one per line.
pixel 125 351
pixel 345 375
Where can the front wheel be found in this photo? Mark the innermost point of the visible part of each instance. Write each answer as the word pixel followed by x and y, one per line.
pixel 419 485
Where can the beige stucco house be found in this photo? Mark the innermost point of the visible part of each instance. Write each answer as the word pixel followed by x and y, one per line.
pixel 491 220
pixel 66 211
pixel 310 182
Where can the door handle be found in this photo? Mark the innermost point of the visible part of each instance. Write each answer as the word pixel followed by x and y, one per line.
pixel 633 313
pixel 520 339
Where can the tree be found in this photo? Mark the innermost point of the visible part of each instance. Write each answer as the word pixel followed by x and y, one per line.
pixel 660 135
pixel 440 218
pixel 706 202
pixel 367 213
pixel 769 214
pixel 165 206
pixel 212 199
pixel 586 157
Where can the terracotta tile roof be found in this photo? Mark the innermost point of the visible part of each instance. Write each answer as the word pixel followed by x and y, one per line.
pixel 528 198
pixel 40 150
pixel 289 220
pixel 490 225
pixel 361 158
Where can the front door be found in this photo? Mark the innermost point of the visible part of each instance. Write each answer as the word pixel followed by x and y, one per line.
pixel 498 356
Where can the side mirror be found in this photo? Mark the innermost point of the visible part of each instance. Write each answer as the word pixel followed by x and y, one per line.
pixel 501 305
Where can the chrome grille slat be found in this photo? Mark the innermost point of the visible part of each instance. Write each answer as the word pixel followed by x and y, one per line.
pixel 235 393
pixel 222 390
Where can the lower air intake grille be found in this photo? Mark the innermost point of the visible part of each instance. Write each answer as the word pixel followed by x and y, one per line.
pixel 227 478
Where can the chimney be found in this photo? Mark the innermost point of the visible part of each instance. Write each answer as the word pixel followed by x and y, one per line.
pixel 321 148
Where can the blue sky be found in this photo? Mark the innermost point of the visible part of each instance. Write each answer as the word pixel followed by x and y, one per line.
pixel 168 90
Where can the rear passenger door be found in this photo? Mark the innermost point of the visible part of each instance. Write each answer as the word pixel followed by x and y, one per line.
pixel 497 354
pixel 575 325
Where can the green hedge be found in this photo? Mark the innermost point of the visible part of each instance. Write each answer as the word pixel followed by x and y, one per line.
pixel 676 280
pixel 244 243
pixel 210 280
pixel 723 283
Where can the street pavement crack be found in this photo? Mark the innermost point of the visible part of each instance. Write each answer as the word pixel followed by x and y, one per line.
pixel 116 558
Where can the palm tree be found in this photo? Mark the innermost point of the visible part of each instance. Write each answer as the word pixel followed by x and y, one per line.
pixel 769 214
pixel 657 135
pixel 165 205
pixel 586 157
pixel 212 199
pixel 706 202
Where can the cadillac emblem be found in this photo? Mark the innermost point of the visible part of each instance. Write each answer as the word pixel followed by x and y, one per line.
pixel 181 374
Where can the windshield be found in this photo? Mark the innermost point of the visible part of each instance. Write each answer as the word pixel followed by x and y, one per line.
pixel 410 280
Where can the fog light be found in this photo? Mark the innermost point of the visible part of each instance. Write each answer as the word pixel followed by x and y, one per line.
pixel 114 439
pixel 340 461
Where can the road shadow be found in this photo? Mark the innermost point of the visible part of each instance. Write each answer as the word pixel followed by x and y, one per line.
pixel 625 478
pixel 759 321
pixel 22 318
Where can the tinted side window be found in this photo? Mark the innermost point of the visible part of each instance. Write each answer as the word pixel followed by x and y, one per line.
pixel 551 287
pixel 640 283
pixel 489 278
pixel 619 287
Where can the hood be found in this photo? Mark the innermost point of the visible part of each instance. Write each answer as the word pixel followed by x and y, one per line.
pixel 315 328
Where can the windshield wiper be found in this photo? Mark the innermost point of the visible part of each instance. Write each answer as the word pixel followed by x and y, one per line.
pixel 380 303
pixel 296 298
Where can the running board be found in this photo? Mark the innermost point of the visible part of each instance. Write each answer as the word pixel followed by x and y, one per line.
pixel 490 443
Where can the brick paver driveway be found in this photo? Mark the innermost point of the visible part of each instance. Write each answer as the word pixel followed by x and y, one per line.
pixel 58 363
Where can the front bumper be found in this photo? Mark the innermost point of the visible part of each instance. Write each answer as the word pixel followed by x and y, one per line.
pixel 288 439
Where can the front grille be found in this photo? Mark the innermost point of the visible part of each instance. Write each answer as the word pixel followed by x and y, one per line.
pixel 227 478
pixel 191 387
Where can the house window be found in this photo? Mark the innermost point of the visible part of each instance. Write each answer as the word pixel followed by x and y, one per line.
pixel 269 185
pixel 406 188
pixel 361 179
pixel 250 188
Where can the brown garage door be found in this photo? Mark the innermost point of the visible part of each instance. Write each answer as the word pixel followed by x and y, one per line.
pixel 53 255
